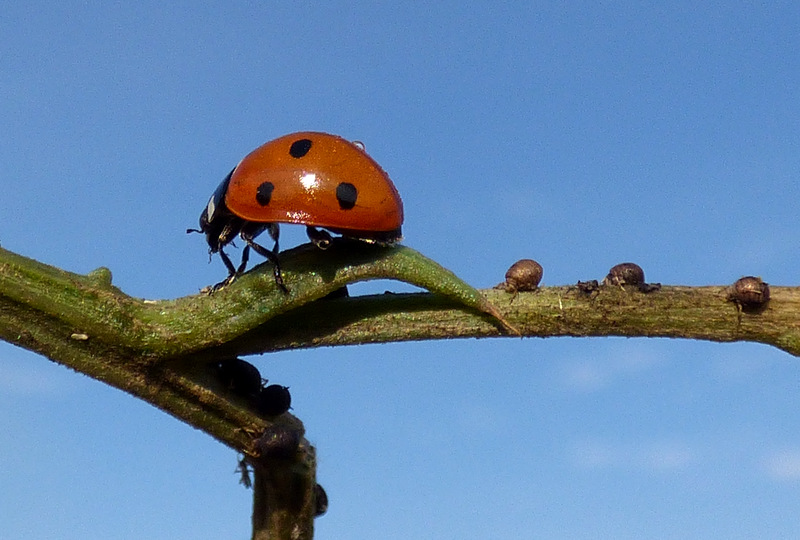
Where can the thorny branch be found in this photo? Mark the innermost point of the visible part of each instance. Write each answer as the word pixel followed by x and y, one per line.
pixel 164 351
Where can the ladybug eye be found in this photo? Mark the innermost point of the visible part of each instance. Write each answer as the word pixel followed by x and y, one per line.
pixel 264 193
pixel 346 194
pixel 300 148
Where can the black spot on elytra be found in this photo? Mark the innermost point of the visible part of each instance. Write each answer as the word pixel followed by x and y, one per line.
pixel 264 193
pixel 346 194
pixel 300 148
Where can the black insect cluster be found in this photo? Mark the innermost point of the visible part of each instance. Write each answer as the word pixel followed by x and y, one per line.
pixel 243 379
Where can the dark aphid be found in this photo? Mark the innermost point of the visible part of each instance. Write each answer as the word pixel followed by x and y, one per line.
pixel 341 292
pixel 243 469
pixel 274 400
pixel 320 500
pixel 524 275
pixel 240 377
pixel 650 287
pixel 588 287
pixel 750 293
pixel 277 442
pixel 625 274
pixel 630 274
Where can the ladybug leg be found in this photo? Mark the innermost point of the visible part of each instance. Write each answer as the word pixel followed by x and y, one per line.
pixel 232 273
pixel 274 232
pixel 319 238
pixel 228 264
pixel 271 256
pixel 243 263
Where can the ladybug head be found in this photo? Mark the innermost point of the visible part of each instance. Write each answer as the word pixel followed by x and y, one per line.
pixel 217 222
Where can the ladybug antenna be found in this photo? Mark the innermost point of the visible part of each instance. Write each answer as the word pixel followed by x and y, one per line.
pixel 193 230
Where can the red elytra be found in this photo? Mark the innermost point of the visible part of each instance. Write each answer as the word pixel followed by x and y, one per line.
pixel 310 178
pixel 315 179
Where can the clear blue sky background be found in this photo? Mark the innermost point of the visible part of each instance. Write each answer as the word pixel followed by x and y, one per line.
pixel 580 136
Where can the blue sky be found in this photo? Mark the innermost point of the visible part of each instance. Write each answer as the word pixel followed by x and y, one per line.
pixel 581 136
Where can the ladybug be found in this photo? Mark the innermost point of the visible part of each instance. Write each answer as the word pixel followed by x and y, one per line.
pixel 319 180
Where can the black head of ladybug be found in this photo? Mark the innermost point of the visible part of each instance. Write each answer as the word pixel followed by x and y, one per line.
pixel 217 222
pixel 221 227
